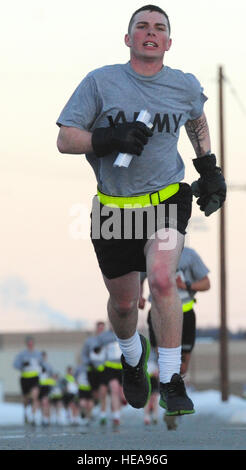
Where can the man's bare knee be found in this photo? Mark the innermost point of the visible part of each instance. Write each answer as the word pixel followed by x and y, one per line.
pixel 162 284
pixel 123 308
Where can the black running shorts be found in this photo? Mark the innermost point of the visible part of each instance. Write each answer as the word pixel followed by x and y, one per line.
pixel 69 398
pixel 154 384
pixel 96 378
pixel 28 383
pixel 85 394
pixel 113 374
pixel 189 331
pixel 120 255
pixel 44 391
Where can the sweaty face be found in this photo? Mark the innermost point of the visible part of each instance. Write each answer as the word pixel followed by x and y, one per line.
pixel 149 36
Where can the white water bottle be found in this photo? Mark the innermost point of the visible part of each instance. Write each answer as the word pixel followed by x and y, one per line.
pixel 124 159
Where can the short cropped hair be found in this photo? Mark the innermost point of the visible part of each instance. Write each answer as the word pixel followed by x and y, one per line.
pixel 149 8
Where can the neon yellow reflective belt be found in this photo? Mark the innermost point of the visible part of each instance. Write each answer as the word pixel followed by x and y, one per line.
pixel 29 374
pixel 47 382
pixel 100 368
pixel 188 306
pixel 85 387
pixel 150 199
pixel 113 365
pixel 69 378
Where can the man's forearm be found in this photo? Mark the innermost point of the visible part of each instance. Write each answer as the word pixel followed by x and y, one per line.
pixel 198 133
pixel 74 141
pixel 202 285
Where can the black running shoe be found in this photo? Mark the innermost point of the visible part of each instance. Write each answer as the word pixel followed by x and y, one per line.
pixel 174 399
pixel 136 380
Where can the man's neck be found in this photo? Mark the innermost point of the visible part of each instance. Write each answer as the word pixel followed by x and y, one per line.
pixel 147 68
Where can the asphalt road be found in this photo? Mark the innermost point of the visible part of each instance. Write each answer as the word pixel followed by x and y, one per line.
pixel 195 432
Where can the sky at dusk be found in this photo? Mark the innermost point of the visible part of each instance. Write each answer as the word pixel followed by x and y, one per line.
pixel 49 277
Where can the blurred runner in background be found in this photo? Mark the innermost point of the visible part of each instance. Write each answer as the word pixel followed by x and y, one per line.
pixel 29 363
pixel 191 277
pixel 46 382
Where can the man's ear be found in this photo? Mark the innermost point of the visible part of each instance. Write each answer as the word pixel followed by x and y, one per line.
pixel 127 40
pixel 169 44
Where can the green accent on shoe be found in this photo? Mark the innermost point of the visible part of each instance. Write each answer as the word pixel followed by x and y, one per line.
pixel 174 399
pixel 163 404
pixel 180 412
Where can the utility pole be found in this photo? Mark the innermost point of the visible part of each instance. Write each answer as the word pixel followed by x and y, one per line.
pixel 223 324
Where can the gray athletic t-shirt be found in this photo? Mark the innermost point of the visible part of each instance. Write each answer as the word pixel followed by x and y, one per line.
pixel 116 93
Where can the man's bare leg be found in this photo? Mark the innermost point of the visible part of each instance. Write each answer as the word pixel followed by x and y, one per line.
pixel 123 315
pixel 122 304
pixel 167 318
pixel 166 308
pixel 34 393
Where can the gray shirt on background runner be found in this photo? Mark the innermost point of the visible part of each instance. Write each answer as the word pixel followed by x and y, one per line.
pixel 28 361
pixel 89 353
pixel 116 93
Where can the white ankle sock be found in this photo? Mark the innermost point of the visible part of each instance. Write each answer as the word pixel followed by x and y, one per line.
pixel 131 349
pixel 116 415
pixel 169 361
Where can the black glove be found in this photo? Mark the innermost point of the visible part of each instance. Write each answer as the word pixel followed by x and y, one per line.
pixel 211 187
pixel 26 363
pixel 127 137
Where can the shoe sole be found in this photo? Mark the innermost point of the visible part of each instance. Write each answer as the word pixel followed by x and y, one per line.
pixel 162 403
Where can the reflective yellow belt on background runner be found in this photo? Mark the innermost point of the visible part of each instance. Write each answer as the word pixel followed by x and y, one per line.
pixel 86 388
pixel 113 365
pixel 150 199
pixel 29 375
pixel 188 306
pixel 49 382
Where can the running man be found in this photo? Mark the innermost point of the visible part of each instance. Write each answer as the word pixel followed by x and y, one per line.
pixel 85 398
pixel 151 410
pixel 46 382
pixel 70 395
pixel 99 120
pixel 93 358
pixel 56 399
pixel 29 363
pixel 113 372
pixel 191 277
